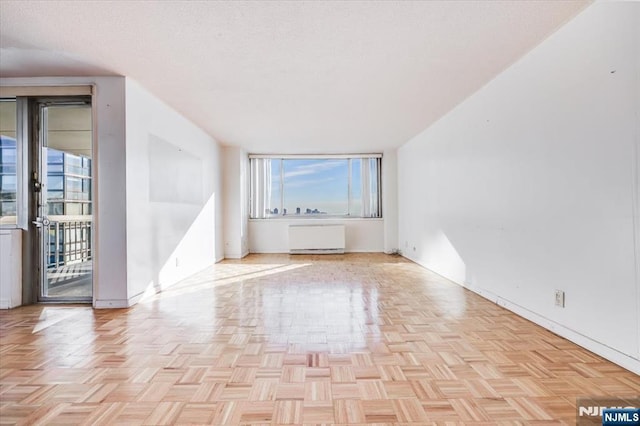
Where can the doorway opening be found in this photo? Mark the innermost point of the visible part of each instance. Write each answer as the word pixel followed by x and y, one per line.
pixel 62 185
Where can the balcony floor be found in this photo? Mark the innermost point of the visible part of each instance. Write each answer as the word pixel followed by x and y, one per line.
pixel 70 281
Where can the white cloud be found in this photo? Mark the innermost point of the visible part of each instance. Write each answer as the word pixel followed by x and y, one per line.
pixel 308 182
pixel 310 169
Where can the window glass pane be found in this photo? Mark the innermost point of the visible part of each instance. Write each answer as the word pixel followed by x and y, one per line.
pixel 54 183
pixel 74 184
pixel 355 207
pixel 54 161
pixel 55 195
pixel 73 160
pixel 8 155
pixel 54 156
pixel 86 166
pixel 8 162
pixel 8 185
pixel 274 199
pixel 86 186
pixel 313 187
pixel 56 209
pixel 8 208
pixel 73 164
pixel 73 208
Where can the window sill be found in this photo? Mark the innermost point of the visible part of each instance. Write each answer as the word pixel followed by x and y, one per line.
pixel 315 218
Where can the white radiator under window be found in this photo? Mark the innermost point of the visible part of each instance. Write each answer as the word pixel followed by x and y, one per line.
pixel 314 239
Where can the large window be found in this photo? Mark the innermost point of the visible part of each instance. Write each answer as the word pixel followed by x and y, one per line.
pixel 347 186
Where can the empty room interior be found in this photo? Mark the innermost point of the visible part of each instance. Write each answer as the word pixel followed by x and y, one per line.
pixel 319 212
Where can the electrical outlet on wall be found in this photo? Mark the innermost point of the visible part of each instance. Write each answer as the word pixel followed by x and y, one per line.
pixel 560 298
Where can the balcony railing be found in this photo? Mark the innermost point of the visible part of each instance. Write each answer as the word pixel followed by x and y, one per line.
pixel 69 240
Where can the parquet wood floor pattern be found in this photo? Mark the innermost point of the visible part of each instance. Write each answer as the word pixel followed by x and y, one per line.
pixel 278 339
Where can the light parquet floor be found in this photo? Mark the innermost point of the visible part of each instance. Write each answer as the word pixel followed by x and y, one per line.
pixel 278 339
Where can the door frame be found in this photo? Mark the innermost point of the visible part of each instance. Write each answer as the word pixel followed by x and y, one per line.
pixel 35 240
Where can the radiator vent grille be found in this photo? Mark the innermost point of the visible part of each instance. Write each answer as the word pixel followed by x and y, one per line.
pixel 316 239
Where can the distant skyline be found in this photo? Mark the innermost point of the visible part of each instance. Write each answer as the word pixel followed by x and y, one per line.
pixel 316 184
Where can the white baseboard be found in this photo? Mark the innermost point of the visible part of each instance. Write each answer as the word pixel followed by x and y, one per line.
pixel 233 256
pixel 286 251
pixel 613 355
pixel 623 360
pixel 5 304
pixel 111 304
pixel 117 303
pixel 135 299
pixel 276 251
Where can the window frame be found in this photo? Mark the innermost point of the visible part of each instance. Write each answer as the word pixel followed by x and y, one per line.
pixel 316 216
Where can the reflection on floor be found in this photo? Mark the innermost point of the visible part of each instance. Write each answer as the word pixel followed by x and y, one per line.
pixel 70 281
pixel 284 339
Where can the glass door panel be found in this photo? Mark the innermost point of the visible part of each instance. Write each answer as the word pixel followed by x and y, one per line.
pixel 65 216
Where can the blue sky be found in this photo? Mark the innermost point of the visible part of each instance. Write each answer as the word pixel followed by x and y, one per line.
pixel 315 184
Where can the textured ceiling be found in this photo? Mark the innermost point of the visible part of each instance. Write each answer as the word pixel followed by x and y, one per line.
pixel 286 77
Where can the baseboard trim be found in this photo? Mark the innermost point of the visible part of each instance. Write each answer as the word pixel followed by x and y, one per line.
pixel 609 353
pixel 5 304
pixel 623 360
pixel 232 256
pixel 288 252
pixel 135 299
pixel 117 303
pixel 111 304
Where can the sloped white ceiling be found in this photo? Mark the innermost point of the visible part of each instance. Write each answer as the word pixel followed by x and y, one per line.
pixel 286 77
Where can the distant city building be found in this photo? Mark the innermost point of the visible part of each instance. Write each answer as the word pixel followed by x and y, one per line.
pixel 68 183
pixel 8 178
pixel 68 199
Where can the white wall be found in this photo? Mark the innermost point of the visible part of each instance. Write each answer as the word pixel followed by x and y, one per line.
pixel 157 188
pixel 174 187
pixel 10 268
pixel 531 185
pixel 390 199
pixel 110 288
pixel 272 235
pixel 236 242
